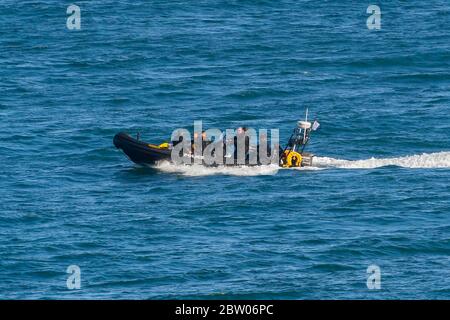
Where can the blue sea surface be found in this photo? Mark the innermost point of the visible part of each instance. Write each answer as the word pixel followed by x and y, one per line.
pixel 378 195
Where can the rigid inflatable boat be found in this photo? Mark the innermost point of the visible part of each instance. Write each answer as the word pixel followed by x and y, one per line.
pixel 292 155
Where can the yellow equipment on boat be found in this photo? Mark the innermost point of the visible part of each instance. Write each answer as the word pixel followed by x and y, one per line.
pixel 163 145
pixel 291 159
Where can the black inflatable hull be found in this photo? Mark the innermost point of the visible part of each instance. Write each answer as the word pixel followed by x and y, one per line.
pixel 140 152
pixel 143 153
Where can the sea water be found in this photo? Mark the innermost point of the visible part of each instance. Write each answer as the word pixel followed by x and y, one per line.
pixel 377 195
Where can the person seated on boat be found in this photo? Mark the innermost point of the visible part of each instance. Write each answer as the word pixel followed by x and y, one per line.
pixel 263 141
pixel 240 132
pixel 205 141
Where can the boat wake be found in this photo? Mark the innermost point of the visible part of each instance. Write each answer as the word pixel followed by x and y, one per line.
pixel 426 160
pixel 199 170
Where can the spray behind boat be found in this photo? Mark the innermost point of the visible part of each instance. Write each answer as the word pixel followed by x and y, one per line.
pixel 293 154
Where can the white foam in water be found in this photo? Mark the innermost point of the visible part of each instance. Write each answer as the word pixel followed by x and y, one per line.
pixel 425 160
pixel 199 170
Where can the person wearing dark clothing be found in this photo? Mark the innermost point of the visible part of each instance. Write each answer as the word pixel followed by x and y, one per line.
pixel 240 132
pixel 204 142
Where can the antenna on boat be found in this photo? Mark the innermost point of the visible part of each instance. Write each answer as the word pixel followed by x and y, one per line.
pixel 306 121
